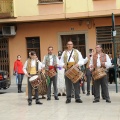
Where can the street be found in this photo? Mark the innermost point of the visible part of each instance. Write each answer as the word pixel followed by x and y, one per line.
pixel 13 106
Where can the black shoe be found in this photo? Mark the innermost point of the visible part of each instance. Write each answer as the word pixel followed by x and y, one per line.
pixel 48 98
pixel 103 98
pixel 108 101
pixel 18 91
pixel 56 98
pixel 95 101
pixel 43 97
pixel 38 102
pixel 59 94
pixel 72 96
pixel 78 101
pixel 68 101
pixel 21 91
pixel 63 94
pixel 88 94
pixel 29 103
pixel 83 92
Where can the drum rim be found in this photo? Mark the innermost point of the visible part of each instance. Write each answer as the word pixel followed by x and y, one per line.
pixel 33 77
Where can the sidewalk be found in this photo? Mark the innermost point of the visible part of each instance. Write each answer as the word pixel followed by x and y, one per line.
pixel 13 106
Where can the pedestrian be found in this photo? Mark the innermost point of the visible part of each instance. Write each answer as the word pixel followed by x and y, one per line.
pixel 88 72
pixel 60 78
pixel 111 70
pixel 18 65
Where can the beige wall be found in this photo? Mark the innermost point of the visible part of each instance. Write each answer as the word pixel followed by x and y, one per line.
pixel 118 4
pixel 26 10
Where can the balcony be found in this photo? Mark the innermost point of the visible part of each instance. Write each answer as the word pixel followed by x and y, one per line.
pixel 6 8
pixel 50 1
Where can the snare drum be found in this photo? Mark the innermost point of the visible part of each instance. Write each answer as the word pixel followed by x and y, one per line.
pixel 35 81
pixel 51 73
pixel 42 88
pixel 74 74
pixel 98 73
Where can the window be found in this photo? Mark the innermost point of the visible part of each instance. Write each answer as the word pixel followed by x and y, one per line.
pixel 104 37
pixel 50 1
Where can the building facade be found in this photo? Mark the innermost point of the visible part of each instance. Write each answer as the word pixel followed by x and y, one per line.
pixel 34 25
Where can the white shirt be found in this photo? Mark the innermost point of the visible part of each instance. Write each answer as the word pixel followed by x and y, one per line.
pixel 107 63
pixel 33 64
pixel 85 60
pixel 80 58
pixel 51 60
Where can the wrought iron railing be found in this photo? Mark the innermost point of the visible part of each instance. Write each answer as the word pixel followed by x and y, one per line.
pixel 49 1
pixel 6 7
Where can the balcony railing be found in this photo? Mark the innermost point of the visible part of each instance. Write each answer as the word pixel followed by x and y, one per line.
pixel 50 1
pixel 6 8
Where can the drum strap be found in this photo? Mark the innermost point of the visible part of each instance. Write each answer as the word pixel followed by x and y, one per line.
pixel 37 66
pixel 70 56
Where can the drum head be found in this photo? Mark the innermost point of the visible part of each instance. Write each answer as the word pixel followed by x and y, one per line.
pixel 33 77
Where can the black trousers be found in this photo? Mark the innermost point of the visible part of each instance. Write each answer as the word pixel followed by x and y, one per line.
pixel 30 91
pixel 103 82
pixel 69 86
pixel 88 76
pixel 111 75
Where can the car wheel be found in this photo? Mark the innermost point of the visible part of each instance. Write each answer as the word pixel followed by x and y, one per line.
pixel 5 88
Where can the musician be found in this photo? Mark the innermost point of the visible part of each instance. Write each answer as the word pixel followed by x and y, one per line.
pixel 51 61
pixel 98 60
pixel 30 69
pixel 71 55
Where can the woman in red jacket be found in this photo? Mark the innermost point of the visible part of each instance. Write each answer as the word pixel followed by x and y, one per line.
pixel 18 66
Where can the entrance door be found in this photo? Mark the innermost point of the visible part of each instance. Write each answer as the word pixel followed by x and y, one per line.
pixel 4 55
pixel 78 41
pixel 33 44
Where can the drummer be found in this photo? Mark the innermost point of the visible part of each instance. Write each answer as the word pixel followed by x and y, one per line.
pixel 30 69
pixel 51 61
pixel 98 60
pixel 71 57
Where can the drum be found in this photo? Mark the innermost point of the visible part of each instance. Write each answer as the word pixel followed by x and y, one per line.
pixel 74 74
pixel 51 73
pixel 42 88
pixel 35 81
pixel 98 73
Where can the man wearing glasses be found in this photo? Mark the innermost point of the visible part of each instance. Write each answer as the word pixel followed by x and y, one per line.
pixel 71 55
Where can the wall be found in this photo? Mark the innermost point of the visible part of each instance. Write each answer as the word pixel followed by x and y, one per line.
pixel 26 7
pixel 69 9
pixel 49 35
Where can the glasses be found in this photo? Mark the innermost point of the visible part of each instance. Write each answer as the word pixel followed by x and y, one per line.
pixel 69 44
pixel 97 47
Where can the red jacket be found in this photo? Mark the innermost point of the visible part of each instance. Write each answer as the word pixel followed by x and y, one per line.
pixel 18 66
